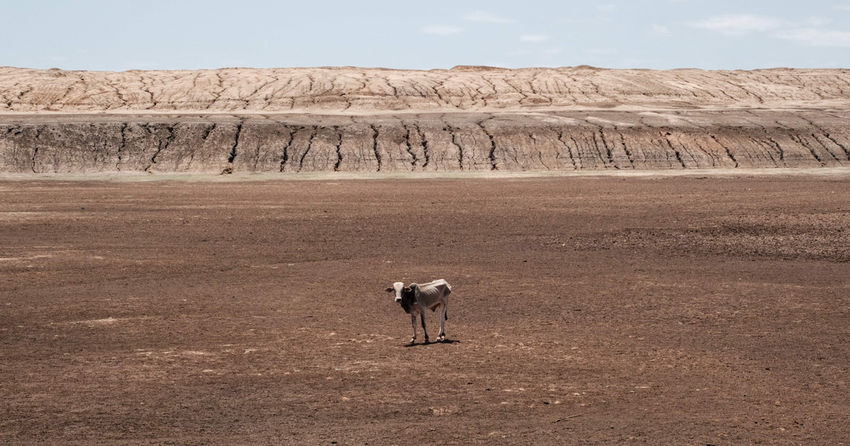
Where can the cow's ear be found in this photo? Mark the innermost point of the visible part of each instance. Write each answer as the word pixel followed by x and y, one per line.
pixel 390 290
pixel 407 289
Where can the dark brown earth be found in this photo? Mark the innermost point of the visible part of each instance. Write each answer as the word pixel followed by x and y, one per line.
pixel 596 310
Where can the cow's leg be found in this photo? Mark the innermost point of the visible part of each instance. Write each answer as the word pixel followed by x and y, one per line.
pixel 422 316
pixel 442 335
pixel 413 320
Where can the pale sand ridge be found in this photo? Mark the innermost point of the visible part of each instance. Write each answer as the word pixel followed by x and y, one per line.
pixel 299 120
pixel 364 90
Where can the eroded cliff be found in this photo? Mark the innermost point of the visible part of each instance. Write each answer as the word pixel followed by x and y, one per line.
pixel 534 141
pixel 469 118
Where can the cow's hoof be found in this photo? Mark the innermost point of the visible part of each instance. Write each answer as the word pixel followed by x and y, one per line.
pixel 412 341
pixel 427 341
pixel 441 339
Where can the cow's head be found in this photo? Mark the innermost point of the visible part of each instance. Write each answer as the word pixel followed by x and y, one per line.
pixel 403 295
pixel 398 288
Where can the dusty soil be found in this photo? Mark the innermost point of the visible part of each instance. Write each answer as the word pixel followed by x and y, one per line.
pixel 593 310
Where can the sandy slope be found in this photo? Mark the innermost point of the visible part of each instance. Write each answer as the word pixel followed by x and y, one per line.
pixel 359 90
pixel 463 119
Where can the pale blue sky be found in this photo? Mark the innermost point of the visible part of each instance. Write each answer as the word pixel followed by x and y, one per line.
pixel 193 34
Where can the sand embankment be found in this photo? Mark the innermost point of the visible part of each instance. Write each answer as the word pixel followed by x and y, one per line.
pixel 467 118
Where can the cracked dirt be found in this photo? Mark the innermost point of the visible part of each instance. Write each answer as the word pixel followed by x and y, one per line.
pixel 368 90
pixel 585 310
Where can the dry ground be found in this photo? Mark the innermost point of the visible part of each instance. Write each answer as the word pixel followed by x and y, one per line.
pixel 605 310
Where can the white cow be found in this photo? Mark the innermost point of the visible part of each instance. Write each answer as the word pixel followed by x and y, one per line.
pixel 415 299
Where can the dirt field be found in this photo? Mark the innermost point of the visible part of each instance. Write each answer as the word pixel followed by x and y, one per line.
pixel 586 310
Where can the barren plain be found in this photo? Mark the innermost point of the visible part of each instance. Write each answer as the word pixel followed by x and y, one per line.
pixel 585 310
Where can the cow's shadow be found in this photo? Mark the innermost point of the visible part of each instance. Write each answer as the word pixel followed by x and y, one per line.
pixel 423 344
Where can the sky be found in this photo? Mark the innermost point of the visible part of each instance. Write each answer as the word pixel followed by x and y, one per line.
pixel 424 34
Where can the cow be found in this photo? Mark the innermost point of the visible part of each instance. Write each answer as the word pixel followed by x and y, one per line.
pixel 416 298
